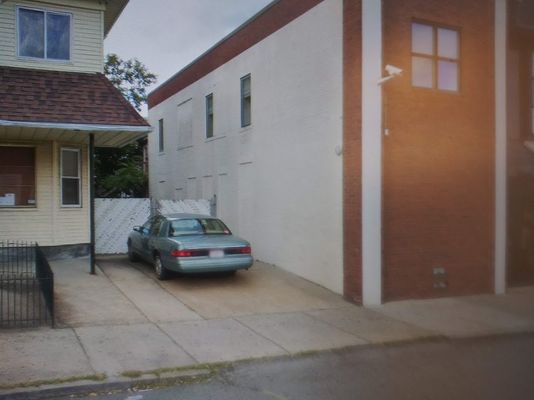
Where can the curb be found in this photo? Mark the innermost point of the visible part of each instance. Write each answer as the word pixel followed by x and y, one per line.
pixel 109 385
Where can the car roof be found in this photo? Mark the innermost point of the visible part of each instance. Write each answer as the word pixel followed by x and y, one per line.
pixel 186 216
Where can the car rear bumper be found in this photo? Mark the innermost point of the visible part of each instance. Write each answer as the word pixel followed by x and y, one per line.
pixel 207 264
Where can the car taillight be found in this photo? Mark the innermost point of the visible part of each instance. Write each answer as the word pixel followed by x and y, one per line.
pixel 245 250
pixel 189 253
pixel 182 253
pixel 238 250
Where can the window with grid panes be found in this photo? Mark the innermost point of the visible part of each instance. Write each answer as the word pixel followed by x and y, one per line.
pixel 435 57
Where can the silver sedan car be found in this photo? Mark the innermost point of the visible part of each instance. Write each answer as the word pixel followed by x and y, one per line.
pixel 188 243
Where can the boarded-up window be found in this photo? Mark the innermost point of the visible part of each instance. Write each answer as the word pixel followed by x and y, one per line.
pixel 185 124
pixel 191 189
pixel 17 176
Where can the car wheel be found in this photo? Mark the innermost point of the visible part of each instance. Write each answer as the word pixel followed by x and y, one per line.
pixel 161 272
pixel 131 255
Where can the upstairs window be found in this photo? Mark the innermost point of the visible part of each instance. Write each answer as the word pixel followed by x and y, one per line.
pixel 161 138
pixel 17 176
pixel 435 57
pixel 209 116
pixel 246 101
pixel 70 178
pixel 44 34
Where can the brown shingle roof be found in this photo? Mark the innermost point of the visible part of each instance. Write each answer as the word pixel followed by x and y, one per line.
pixel 63 97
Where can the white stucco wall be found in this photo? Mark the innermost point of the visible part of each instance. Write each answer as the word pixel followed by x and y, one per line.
pixel 278 182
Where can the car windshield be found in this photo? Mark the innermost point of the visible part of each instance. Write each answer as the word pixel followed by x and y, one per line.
pixel 198 226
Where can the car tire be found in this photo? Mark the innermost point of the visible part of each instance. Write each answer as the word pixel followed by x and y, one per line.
pixel 161 272
pixel 131 255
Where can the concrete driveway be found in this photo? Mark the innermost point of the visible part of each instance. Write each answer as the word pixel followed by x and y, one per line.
pixel 262 289
pixel 124 319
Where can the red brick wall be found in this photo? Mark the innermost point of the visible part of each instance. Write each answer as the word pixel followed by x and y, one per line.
pixel 439 158
pixel 352 149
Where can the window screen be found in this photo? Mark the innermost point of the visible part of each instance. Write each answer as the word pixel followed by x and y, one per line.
pixel 70 178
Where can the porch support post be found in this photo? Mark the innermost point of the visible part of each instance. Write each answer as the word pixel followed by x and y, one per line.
pixel 500 145
pixel 92 199
pixel 371 152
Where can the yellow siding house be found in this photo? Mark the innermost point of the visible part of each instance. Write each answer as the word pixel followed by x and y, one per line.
pixel 55 107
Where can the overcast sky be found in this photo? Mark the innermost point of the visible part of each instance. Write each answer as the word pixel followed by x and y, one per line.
pixel 166 35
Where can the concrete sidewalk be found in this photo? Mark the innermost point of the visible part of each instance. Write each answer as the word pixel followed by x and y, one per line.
pixel 123 320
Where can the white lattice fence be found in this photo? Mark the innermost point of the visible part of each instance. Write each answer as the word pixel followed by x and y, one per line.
pixel 184 206
pixel 115 218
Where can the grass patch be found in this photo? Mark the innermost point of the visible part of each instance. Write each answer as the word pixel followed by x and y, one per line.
pixel 132 374
pixel 212 368
pixel 58 381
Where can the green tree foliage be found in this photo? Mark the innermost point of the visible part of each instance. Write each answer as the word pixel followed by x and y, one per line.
pixel 120 171
pixel 129 76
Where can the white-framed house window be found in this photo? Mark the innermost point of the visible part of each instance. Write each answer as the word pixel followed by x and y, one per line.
pixel 246 101
pixel 435 57
pixel 209 116
pixel 44 34
pixel 70 177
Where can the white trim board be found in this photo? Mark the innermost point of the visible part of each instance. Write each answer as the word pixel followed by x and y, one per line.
pixel 371 153
pixel 78 127
pixel 500 144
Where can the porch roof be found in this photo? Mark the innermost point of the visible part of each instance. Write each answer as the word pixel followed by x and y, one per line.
pixel 55 105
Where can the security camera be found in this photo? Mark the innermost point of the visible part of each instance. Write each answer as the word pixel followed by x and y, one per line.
pixel 393 70
pixel 392 73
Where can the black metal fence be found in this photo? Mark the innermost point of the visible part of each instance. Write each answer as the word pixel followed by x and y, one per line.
pixel 26 286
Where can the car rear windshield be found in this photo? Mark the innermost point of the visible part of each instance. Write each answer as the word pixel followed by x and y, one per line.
pixel 198 226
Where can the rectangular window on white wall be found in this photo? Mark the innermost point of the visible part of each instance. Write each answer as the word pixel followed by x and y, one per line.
pixel 185 124
pixel 70 178
pixel 161 136
pixel 209 115
pixel 435 57
pixel 246 101
pixel 43 34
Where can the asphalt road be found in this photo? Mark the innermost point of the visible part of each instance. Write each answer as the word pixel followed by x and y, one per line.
pixel 483 368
